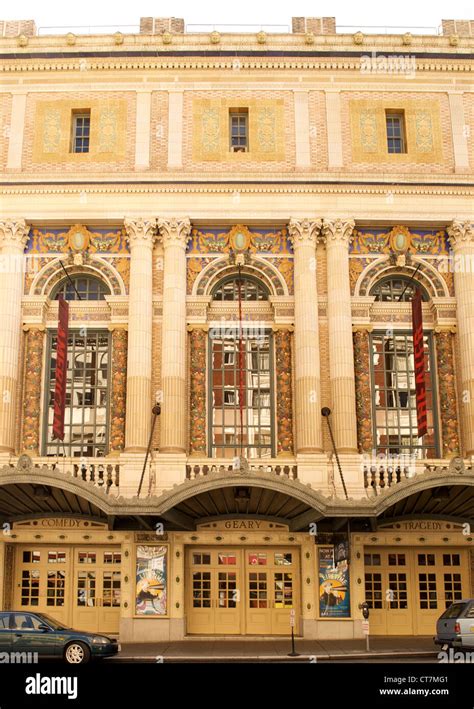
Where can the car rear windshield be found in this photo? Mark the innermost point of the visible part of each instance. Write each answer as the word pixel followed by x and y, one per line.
pixel 454 611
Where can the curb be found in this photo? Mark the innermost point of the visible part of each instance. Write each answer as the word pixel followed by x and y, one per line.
pixel 275 658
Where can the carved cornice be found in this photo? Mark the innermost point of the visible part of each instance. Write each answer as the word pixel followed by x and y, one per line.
pixel 343 64
pixel 461 234
pixel 337 231
pixel 285 187
pixel 140 231
pixel 174 231
pixel 304 232
pixel 13 233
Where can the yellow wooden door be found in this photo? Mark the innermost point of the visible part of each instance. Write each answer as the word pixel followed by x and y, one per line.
pixel 441 578
pixel 258 612
pixel 43 580
pixel 97 584
pixel 213 604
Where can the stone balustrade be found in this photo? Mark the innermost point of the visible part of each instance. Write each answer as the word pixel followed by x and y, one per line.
pixel 200 468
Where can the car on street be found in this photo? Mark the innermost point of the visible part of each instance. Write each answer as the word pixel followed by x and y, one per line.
pixel 455 628
pixel 22 632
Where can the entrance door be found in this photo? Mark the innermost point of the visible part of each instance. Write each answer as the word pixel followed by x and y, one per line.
pixel 242 591
pixel 80 587
pixel 408 589
pixel 214 592
pixel 97 589
pixel 272 589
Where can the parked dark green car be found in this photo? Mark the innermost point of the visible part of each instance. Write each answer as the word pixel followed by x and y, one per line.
pixel 22 632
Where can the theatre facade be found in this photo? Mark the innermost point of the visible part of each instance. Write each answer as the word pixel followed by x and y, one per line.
pixel 238 223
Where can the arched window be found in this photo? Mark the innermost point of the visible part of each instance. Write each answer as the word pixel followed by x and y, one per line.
pixel 397 288
pixel 88 288
pixel 250 289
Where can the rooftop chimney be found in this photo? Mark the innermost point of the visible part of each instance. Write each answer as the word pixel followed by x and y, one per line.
pixel 463 28
pixel 13 28
pixel 158 25
pixel 316 25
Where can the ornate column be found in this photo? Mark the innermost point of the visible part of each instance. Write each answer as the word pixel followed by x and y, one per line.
pixel 337 235
pixel 197 404
pixel 32 391
pixel 304 234
pixel 13 239
pixel 284 392
pixel 119 389
pixel 461 236
pixel 363 390
pixel 141 234
pixel 447 392
pixel 174 233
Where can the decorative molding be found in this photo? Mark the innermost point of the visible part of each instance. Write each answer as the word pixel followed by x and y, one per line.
pixel 118 388
pixel 285 187
pixel 461 234
pixel 14 233
pixel 304 231
pixel 140 231
pixel 174 231
pixel 284 395
pixel 341 63
pixel 32 391
pixel 447 392
pixel 337 231
pixel 52 273
pixel 363 388
pixel 197 433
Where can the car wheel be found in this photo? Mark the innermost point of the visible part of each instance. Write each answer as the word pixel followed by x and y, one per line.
pixel 77 654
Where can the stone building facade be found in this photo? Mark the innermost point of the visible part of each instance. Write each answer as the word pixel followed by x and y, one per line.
pixel 239 223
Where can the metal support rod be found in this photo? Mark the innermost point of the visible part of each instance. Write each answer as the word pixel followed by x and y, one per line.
pixel 412 277
pixel 325 411
pixel 70 280
pixel 156 411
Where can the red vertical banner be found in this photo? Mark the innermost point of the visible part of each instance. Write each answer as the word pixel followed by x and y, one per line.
pixel 419 356
pixel 61 370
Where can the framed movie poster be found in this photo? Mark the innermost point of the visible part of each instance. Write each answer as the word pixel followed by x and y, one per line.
pixel 151 592
pixel 334 587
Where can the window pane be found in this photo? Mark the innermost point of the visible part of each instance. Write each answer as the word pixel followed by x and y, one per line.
pixel 86 413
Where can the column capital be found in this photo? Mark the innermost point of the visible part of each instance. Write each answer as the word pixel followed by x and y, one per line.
pixel 337 231
pixel 304 231
pixel 460 233
pixel 140 231
pixel 174 231
pixel 14 232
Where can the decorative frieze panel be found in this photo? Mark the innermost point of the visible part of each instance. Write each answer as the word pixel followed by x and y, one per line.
pixel 363 390
pixel 284 392
pixel 447 393
pixel 32 391
pixel 119 389
pixel 197 432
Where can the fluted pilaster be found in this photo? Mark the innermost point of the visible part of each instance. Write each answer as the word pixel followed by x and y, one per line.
pixel 141 235
pixel 337 235
pixel 303 234
pixel 13 239
pixel 461 236
pixel 174 233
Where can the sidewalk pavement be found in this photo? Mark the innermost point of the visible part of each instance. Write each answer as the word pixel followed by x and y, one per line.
pixel 274 650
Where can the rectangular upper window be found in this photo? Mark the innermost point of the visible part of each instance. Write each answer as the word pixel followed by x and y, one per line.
pixel 396 140
pixel 394 396
pixel 81 126
pixel 238 130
